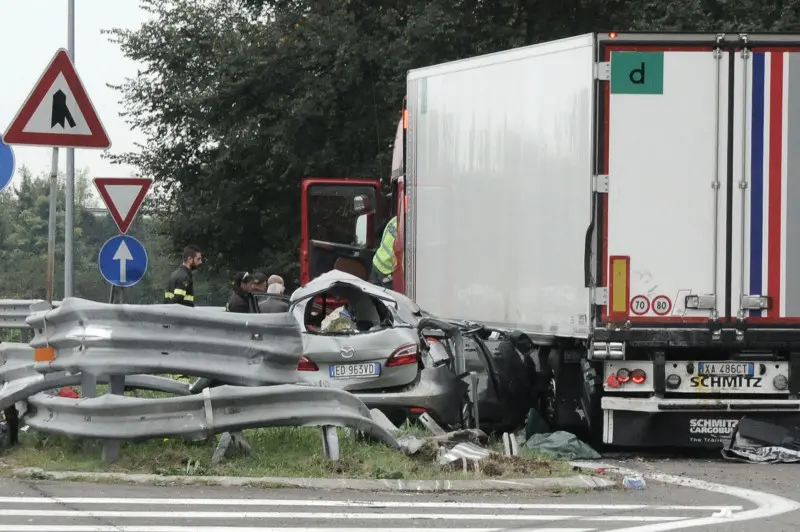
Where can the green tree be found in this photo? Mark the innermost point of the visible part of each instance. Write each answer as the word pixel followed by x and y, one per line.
pixel 240 99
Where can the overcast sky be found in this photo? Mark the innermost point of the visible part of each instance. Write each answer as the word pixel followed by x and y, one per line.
pixel 30 33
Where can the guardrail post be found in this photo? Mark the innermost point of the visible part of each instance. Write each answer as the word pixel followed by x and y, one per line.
pixel 116 386
pixel 330 442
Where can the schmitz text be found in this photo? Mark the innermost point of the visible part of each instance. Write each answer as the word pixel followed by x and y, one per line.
pixel 725 381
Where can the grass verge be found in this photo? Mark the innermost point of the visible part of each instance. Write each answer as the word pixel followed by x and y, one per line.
pixel 277 452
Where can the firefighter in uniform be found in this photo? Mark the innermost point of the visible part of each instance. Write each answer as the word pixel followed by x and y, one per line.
pixel 180 287
pixel 384 260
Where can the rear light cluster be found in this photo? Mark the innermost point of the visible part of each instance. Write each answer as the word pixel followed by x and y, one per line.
pixel 407 354
pixel 624 376
pixel 306 364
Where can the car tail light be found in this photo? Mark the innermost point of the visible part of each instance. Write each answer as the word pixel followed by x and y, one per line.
pixel 432 339
pixel 417 410
pixel 407 354
pixel 306 364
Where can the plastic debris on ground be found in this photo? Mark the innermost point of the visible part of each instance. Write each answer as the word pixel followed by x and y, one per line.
pixel 561 446
pixel 634 482
pixel 763 442
pixel 468 451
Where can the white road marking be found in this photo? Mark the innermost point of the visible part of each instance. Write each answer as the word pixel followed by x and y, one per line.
pixel 767 505
pixel 126 528
pixel 324 515
pixel 353 504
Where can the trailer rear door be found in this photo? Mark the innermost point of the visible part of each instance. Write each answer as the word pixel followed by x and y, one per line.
pixel 766 203
pixel 662 184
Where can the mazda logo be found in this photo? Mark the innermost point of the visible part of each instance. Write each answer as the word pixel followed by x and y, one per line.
pixel 347 351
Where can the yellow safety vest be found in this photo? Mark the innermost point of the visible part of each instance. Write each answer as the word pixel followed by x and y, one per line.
pixel 384 258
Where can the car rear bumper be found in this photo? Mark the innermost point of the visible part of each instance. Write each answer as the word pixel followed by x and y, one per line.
pixel 705 423
pixel 437 391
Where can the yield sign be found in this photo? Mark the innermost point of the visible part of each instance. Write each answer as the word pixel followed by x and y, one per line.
pixel 58 112
pixel 123 197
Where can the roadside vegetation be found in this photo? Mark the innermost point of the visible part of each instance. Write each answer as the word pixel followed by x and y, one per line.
pixel 276 452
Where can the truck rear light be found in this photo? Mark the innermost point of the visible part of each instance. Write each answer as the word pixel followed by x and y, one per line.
pixel 623 376
pixel 638 376
pixel 780 382
pixel 673 381
pixel 406 354
pixel 306 364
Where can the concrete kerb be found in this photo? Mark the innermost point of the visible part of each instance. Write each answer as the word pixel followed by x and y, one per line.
pixel 580 482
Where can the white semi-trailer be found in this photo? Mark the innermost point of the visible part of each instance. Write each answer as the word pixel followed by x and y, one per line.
pixel 632 201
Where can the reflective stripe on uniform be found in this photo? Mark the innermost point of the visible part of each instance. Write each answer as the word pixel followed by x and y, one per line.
pixel 188 298
pixel 384 257
pixel 180 292
pixel 168 295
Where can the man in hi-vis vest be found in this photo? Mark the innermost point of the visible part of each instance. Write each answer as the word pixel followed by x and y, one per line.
pixel 384 260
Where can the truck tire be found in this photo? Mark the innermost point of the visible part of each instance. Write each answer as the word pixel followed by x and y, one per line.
pixel 562 397
pixel 590 402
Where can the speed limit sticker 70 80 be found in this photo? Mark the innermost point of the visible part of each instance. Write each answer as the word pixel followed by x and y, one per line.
pixel 640 305
pixel 661 305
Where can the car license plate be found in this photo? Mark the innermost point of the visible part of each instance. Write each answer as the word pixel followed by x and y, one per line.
pixel 726 368
pixel 348 371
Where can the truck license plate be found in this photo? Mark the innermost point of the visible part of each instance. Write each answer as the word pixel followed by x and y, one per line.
pixel 726 368
pixel 347 371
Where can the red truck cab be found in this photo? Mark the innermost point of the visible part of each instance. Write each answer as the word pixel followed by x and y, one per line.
pixel 342 220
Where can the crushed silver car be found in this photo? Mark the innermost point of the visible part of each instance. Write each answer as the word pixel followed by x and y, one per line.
pixel 365 339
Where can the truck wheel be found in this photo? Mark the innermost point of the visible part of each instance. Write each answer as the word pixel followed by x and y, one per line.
pixel 592 395
pixel 562 398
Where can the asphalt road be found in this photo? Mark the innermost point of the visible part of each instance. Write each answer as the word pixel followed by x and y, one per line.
pixel 776 479
pixel 46 506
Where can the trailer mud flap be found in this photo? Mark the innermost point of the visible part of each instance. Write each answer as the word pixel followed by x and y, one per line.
pixel 683 423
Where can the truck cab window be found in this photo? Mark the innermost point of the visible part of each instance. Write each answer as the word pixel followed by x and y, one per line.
pixel 332 217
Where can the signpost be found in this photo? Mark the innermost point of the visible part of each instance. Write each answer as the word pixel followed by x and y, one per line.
pixel 122 260
pixel 123 197
pixel 57 113
pixel 6 165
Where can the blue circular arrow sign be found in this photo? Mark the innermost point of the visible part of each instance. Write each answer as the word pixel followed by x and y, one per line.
pixel 6 165
pixel 122 261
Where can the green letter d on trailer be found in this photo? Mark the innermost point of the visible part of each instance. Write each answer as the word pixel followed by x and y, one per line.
pixel 637 72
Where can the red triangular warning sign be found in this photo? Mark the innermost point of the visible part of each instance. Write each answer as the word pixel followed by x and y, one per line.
pixel 58 112
pixel 123 197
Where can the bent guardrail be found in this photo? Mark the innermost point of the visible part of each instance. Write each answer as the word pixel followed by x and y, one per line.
pixel 101 338
pixel 216 410
pixel 13 312
pixel 108 342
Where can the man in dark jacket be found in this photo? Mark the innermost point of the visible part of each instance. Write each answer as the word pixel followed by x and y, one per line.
pixel 180 287
pixel 241 300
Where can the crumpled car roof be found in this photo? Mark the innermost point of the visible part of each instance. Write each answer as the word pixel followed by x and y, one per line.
pixel 407 310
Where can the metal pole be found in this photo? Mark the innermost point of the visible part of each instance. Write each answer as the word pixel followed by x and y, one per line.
pixel 51 228
pixel 69 214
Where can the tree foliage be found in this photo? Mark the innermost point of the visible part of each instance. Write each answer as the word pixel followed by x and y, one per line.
pixel 240 99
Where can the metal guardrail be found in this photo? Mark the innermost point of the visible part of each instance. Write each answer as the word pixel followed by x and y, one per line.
pixel 216 410
pixel 103 339
pixel 14 312
pixel 122 344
